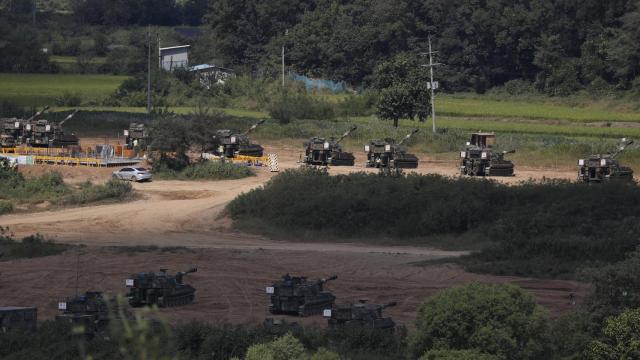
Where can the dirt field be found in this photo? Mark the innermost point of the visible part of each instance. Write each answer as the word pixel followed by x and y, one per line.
pixel 234 267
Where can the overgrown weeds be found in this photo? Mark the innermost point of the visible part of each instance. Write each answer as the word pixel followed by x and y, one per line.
pixel 29 247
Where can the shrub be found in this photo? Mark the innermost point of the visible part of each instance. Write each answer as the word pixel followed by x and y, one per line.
pixel 501 320
pixel 207 170
pixel 5 207
pixel 284 348
pixel 69 98
pixel 621 338
pixel 30 247
pixel 111 190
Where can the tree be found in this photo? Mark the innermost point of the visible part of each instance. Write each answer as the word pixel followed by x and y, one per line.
pixel 621 339
pixel 402 83
pixel 204 124
pixel 458 355
pixel 500 320
pixel 284 348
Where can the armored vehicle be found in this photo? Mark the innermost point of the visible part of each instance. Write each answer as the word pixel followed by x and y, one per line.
pixel 480 159
pixel 230 143
pixel 18 318
pixel 605 167
pixel 324 152
pixel 160 289
pixel 136 136
pixel 360 313
pixel 90 310
pixel 388 155
pixel 296 295
pixel 11 132
pixel 46 134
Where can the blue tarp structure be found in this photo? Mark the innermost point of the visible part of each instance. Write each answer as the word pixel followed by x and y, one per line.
pixel 319 84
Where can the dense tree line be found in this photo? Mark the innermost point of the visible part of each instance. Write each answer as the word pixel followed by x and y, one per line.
pixel 559 45
pixel 139 12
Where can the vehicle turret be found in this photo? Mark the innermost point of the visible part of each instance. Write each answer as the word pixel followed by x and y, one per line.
pixel 605 167
pixel 361 313
pixel 480 159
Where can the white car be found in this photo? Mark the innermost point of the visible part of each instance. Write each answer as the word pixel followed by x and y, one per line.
pixel 133 174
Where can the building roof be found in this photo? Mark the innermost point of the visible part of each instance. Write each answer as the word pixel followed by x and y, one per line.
pixel 207 67
pixel 175 47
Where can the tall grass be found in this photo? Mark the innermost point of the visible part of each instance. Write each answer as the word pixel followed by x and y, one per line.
pixel 206 170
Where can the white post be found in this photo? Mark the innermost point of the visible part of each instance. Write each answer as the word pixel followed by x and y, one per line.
pixel 433 90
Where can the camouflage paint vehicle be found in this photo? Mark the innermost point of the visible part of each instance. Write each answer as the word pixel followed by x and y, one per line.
pixel 324 152
pixel 360 313
pixel 230 143
pixel 605 167
pixel 161 289
pixel 44 133
pixel 296 295
pixel 15 131
pixel 90 310
pixel 18 318
pixel 480 159
pixel 388 155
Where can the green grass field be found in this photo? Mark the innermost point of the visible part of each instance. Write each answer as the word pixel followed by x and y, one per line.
pixel 43 89
pixel 478 107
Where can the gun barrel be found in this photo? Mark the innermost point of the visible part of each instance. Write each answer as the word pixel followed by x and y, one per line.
pixel 509 152
pixel 353 128
pixel 254 126
pixel 68 117
pixel 408 136
pixel 332 277
pixel 389 304
pixel 38 113
pixel 191 270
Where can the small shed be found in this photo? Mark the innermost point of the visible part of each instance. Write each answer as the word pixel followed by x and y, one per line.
pixel 174 57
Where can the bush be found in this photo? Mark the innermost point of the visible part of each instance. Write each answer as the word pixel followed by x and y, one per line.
pixel 111 190
pixel 566 226
pixel 292 105
pixel 206 170
pixel 30 247
pixel 69 98
pixel 5 207
pixel 501 320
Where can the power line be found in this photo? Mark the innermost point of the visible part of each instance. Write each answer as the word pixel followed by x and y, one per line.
pixel 432 85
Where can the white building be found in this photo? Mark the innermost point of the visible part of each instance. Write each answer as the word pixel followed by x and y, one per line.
pixel 174 57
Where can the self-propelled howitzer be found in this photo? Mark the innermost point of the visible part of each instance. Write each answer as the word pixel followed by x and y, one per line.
pixel 162 289
pixel 605 167
pixel 230 143
pixel 296 295
pixel 361 313
pixel 388 155
pixel 324 152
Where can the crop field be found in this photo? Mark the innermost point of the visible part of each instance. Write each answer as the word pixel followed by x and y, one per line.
pixel 476 107
pixel 43 89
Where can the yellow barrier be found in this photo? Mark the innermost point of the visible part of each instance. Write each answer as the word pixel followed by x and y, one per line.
pixel 63 160
pixel 251 159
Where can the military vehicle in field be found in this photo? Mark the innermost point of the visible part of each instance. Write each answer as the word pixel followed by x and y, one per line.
pixel 388 155
pixel 605 167
pixel 360 313
pixel 18 318
pixel 136 136
pixel 11 132
pixel 231 143
pixel 324 152
pixel 90 310
pixel 296 295
pixel 44 133
pixel 480 159
pixel 162 289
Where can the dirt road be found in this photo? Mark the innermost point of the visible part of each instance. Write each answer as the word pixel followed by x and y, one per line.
pixel 234 267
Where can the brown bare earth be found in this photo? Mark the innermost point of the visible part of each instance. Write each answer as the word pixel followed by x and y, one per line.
pixel 233 267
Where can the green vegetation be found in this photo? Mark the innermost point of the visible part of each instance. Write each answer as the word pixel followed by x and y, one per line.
pixel 566 226
pixel 29 247
pixel 44 89
pixel 50 188
pixel 500 320
pixel 205 170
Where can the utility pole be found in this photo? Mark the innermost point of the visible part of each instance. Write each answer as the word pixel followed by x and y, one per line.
pixel 432 85
pixel 149 69
pixel 286 32
pixel 35 8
